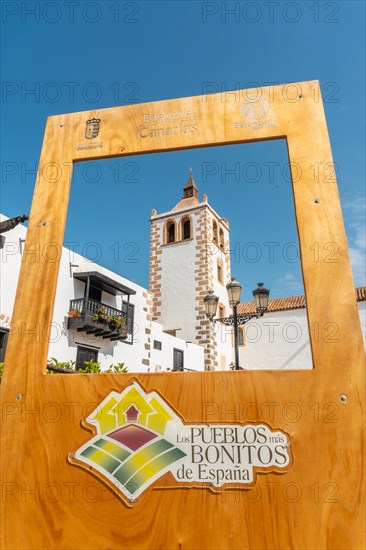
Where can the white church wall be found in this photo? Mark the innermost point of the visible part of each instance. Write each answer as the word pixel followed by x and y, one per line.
pixel 178 281
pixel 278 340
pixel 178 264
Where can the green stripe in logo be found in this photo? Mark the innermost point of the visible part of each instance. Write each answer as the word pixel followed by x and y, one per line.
pixel 112 449
pixel 153 468
pixel 101 458
pixel 139 460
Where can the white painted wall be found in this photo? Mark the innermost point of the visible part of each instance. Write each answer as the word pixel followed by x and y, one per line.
pixel 162 360
pixel 177 283
pixel 280 340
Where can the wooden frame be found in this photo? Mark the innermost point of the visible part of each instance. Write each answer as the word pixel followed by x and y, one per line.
pixel 319 503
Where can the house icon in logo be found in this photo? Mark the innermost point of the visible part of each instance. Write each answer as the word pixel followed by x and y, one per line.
pixel 130 448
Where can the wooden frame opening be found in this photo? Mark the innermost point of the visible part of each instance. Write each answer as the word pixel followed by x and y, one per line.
pixel 322 409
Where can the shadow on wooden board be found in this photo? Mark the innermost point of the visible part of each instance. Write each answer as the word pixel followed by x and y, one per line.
pixel 171 460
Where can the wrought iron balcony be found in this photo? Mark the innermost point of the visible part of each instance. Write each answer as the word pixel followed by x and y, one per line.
pixel 92 317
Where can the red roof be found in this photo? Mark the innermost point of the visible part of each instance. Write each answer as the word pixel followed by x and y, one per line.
pixel 292 302
pixel 361 293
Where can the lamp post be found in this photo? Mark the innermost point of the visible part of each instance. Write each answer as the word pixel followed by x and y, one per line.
pixel 234 290
pixel 260 294
pixel 210 302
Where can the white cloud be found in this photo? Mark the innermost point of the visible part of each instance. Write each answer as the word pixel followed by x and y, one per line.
pixel 290 282
pixel 354 214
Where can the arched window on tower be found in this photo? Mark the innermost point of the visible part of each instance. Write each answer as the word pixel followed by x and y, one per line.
pixel 215 233
pixel 186 228
pixel 221 237
pixel 170 232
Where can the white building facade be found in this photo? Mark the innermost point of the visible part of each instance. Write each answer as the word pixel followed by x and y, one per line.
pixel 280 339
pixel 146 348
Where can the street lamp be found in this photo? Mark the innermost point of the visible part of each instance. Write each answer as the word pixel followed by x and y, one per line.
pixel 260 294
pixel 234 290
pixel 261 298
pixel 211 302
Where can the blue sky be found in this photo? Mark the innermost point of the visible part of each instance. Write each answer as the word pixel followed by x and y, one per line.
pixel 74 56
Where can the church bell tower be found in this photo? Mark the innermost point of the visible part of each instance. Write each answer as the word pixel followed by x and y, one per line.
pixel 189 255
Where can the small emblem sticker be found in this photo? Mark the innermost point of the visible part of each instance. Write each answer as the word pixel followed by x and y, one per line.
pixel 92 128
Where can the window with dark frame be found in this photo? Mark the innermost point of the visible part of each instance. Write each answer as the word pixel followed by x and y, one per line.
pixel 95 293
pixel 214 230
pixel 4 333
pixel 220 273
pixel 221 234
pixel 171 232
pixel 85 354
pixel 157 345
pixel 178 359
pixel 186 229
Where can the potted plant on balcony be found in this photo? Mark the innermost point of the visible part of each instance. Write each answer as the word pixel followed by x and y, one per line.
pixel 117 324
pixel 74 313
pixel 100 316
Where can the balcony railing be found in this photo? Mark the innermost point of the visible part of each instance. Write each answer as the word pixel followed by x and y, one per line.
pixel 101 319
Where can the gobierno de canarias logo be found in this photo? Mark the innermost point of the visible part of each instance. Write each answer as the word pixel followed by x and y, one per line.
pixel 139 438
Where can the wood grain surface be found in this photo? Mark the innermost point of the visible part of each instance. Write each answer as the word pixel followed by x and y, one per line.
pixel 320 501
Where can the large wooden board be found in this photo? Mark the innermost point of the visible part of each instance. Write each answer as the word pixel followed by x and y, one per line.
pixel 319 502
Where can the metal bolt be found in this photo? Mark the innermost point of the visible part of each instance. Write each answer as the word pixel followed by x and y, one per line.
pixel 19 396
pixel 344 398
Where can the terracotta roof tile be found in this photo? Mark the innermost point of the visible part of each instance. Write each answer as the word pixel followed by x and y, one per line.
pixel 361 293
pixel 184 203
pixel 292 302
